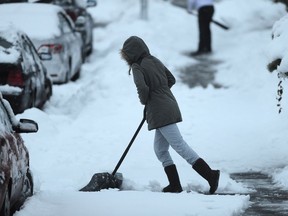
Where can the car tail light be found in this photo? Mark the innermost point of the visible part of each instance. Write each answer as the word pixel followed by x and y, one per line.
pixel 50 48
pixel 15 77
pixel 73 15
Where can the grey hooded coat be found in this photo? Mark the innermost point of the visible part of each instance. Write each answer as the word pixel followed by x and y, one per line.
pixel 153 82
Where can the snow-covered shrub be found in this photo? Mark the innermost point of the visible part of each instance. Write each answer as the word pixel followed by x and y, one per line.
pixel 285 2
pixel 278 48
pixel 278 53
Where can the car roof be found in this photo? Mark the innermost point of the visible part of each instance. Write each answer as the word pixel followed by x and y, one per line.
pixel 77 3
pixel 9 46
pixel 39 20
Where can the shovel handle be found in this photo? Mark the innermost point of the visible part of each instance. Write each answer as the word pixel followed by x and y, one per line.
pixel 130 144
pixel 214 21
pixel 220 25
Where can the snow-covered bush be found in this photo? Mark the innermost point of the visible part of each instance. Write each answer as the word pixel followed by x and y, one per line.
pixel 278 53
pixel 278 48
pixel 283 1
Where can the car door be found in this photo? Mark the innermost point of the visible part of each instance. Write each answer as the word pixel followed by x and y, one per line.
pixel 13 157
pixel 75 43
pixel 5 161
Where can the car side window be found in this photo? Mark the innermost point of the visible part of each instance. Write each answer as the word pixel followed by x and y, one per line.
pixel 65 24
pixel 33 52
pixel 27 54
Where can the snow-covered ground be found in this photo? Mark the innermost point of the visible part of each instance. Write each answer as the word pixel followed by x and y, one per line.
pixel 87 124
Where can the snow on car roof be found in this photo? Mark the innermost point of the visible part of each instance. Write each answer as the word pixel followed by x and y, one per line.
pixel 37 20
pixel 9 51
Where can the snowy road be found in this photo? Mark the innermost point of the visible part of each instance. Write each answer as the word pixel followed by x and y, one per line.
pixel 87 124
pixel 267 198
pixel 202 73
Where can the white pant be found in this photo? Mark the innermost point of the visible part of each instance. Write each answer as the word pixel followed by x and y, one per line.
pixel 170 136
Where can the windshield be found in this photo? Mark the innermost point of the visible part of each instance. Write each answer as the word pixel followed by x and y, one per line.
pixel 63 2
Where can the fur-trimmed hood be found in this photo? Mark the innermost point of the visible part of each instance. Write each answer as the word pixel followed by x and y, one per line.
pixel 134 50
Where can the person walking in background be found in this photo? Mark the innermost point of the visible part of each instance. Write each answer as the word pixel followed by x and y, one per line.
pixel 205 10
pixel 153 83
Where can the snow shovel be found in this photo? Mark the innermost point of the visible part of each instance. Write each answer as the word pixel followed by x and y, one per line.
pixel 221 25
pixel 106 180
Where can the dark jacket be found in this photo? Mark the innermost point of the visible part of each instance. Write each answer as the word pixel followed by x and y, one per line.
pixel 153 81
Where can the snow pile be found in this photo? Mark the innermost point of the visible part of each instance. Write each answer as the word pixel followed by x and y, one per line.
pixel 33 25
pixel 281 177
pixel 278 47
pixel 8 40
pixel 259 14
pixel 130 203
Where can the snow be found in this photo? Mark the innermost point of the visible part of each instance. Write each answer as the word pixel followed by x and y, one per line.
pixel 278 48
pixel 10 89
pixel 87 124
pixel 8 52
pixel 40 13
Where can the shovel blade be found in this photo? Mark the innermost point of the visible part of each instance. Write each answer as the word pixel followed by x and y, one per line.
pixel 103 181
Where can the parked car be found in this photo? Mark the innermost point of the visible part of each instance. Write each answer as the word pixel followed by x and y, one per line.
pixel 16 181
pixel 53 33
pixel 75 9
pixel 24 81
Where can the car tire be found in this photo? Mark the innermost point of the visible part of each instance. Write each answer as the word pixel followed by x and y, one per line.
pixel 90 50
pixel 68 74
pixel 32 99
pixel 48 89
pixel 28 187
pixel 77 75
pixel 5 209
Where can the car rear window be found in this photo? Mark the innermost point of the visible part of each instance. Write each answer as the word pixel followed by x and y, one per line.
pixel 9 53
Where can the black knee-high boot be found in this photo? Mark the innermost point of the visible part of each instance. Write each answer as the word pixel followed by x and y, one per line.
pixel 173 178
pixel 212 176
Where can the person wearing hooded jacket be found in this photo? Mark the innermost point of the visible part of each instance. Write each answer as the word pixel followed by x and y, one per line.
pixel 153 83
pixel 205 11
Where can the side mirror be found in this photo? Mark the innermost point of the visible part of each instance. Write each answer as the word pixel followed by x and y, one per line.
pixel 44 53
pixel 91 3
pixel 45 56
pixel 80 24
pixel 21 126
pixel 26 126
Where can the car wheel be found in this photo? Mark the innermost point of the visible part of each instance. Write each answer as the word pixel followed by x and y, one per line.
pixel 28 186
pixel 67 79
pixel 90 49
pixel 5 210
pixel 77 75
pixel 48 89
pixel 32 99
